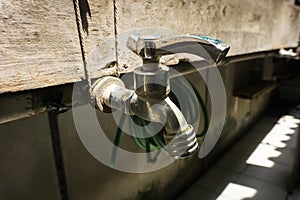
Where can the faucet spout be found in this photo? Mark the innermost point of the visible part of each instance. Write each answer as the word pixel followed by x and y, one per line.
pixel 153 48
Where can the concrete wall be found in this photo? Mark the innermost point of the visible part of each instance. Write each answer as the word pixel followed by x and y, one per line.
pixel 29 169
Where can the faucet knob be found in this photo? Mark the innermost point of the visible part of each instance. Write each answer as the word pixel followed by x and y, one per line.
pixel 144 46
pixel 151 48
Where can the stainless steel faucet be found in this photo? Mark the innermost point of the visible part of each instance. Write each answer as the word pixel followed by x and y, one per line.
pixel 149 100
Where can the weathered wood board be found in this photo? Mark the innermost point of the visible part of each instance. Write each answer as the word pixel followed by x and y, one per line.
pixel 247 25
pixel 39 43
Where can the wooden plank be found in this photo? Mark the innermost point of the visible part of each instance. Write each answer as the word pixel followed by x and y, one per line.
pixel 99 38
pixel 247 26
pixel 39 43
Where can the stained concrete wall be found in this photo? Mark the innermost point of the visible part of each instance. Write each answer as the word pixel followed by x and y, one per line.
pixel 89 179
pixel 29 169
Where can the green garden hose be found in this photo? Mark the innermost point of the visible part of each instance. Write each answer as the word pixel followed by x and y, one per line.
pixel 156 142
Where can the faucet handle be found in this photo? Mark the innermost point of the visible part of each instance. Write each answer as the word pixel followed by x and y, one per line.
pixel 151 48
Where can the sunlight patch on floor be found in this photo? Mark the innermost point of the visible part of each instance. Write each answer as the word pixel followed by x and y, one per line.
pixel 235 191
pixel 261 156
pixel 273 142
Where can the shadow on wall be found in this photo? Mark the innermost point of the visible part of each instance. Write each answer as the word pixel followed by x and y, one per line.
pixel 84 12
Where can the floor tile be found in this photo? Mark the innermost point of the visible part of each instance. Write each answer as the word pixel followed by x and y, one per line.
pixel 259 166
pixel 216 180
pixel 278 174
pixel 287 157
pixel 235 191
pixel 263 189
pixel 244 147
pixel 263 156
pixel 233 162
pixel 196 193
pixel 281 137
pixel 296 194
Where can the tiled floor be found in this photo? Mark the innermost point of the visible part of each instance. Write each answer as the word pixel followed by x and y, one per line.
pixel 258 167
